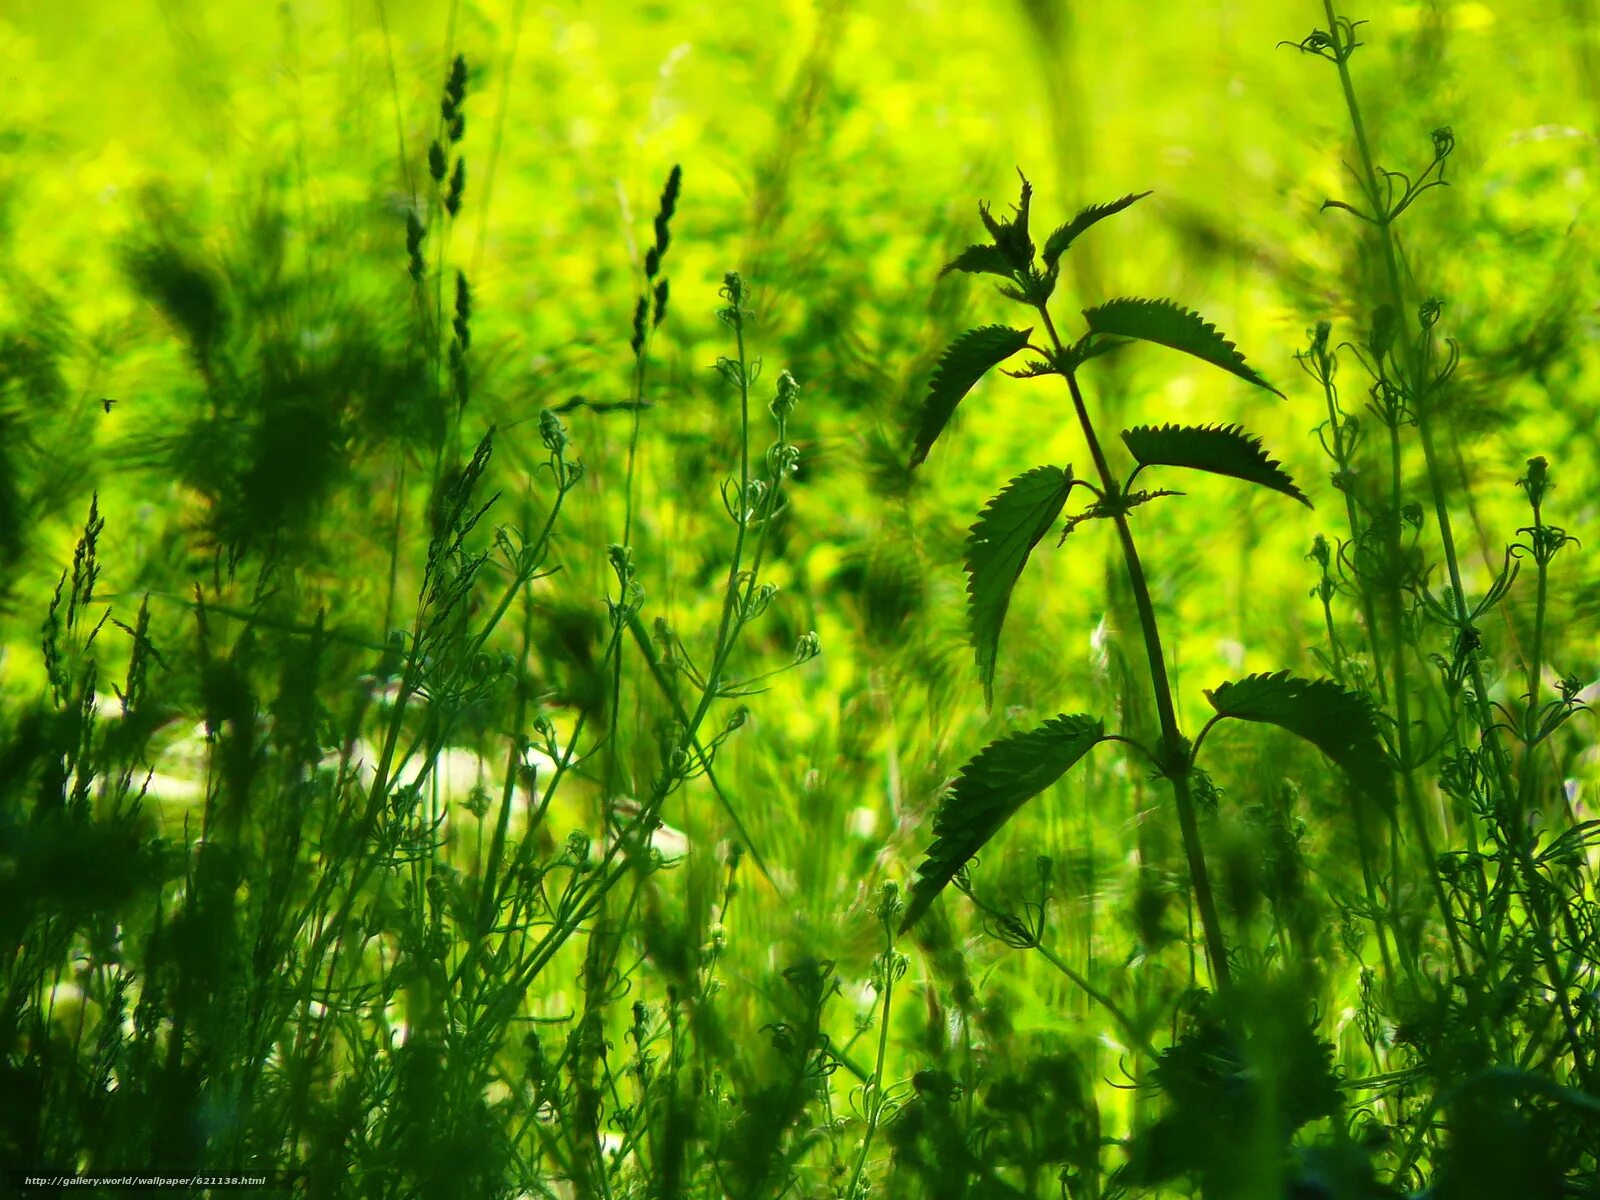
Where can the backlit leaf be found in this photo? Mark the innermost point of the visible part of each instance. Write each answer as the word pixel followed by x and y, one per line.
pixel 979 260
pixel 969 357
pixel 1169 324
pixel 1056 244
pixel 1341 724
pixel 998 546
pixel 998 781
pixel 1220 449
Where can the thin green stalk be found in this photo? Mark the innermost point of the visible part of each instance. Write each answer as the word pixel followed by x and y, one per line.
pixel 876 1098
pixel 1342 454
pixel 1175 764
pixel 1536 656
pixel 1488 727
pixel 1401 690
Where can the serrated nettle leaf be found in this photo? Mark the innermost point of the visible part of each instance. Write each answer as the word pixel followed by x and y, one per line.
pixel 994 784
pixel 1089 347
pixel 1168 324
pixel 998 546
pixel 1219 449
pixel 967 360
pixel 1056 244
pixel 1033 370
pixel 979 260
pixel 1339 723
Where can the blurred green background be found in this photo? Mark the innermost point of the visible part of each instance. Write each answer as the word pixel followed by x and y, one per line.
pixel 834 154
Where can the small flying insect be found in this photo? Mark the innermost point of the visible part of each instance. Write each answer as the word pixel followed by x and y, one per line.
pixel 106 402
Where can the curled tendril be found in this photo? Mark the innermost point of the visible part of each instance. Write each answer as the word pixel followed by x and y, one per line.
pixel 1336 47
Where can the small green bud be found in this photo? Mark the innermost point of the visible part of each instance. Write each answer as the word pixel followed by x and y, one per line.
pixel 783 404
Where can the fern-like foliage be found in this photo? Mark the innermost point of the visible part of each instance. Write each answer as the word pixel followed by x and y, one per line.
pixel 1007 530
pixel 966 361
pixel 1341 724
pixel 1057 243
pixel 1219 449
pixel 1168 324
pixel 998 780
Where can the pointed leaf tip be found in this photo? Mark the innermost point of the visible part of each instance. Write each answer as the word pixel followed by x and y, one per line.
pixel 1168 324
pixel 994 784
pixel 1341 724
pixel 1057 243
pixel 1219 449
pixel 978 260
pixel 966 361
pixel 998 546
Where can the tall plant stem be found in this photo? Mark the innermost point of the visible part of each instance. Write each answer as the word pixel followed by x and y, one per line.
pixel 1511 821
pixel 1175 764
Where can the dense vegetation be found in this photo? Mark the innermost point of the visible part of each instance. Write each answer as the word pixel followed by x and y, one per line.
pixel 550 650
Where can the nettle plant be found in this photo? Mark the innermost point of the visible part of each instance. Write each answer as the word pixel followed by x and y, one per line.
pixel 1007 773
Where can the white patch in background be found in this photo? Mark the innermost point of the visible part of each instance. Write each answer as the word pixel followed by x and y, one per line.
pixel 1100 645
pixel 1231 652
pixel 863 822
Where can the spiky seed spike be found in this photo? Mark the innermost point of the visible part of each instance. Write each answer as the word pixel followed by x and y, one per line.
pixel 667 207
pixel 463 317
pixel 661 305
pixel 458 187
pixel 640 312
pixel 455 88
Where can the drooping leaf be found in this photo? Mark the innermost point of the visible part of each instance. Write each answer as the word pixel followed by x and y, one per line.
pixel 994 784
pixel 1007 530
pixel 979 260
pixel 1220 449
pixel 1341 724
pixel 963 364
pixel 1056 244
pixel 1171 325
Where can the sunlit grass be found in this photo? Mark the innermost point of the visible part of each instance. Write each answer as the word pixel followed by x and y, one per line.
pixel 329 861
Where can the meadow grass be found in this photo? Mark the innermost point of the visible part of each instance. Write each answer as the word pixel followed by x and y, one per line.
pixel 438 789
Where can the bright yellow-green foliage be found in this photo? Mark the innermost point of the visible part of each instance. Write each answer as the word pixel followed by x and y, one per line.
pixel 833 154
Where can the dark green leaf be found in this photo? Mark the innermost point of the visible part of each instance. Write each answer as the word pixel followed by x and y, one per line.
pixel 999 780
pixel 1088 347
pixel 1220 449
pixel 1033 370
pixel 1011 237
pixel 998 546
pixel 1168 324
pixel 1339 723
pixel 963 364
pixel 978 260
pixel 1056 244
